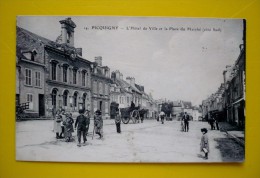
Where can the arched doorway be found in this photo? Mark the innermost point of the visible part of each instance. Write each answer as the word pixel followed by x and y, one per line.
pixel 65 98
pixel 54 94
pixel 84 98
pixel 75 101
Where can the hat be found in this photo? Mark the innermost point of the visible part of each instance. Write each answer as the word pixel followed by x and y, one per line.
pixel 98 112
pixel 81 111
pixel 204 130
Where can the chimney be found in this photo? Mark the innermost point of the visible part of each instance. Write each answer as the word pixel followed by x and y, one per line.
pixel 130 80
pixel 98 60
pixel 121 76
pixel 79 51
pixel 116 74
pixel 67 31
pixel 113 76
pixel 133 81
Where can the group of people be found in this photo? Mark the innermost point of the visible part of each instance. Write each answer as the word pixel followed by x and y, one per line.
pixel 63 125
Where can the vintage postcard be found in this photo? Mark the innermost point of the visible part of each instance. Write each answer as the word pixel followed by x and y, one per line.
pixel 130 89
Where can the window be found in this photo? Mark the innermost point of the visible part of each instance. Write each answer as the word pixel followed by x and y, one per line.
pixel 65 98
pixel 29 97
pixel 65 73
pixel 37 78
pixel 53 97
pixel 100 88
pixel 53 70
pixel 84 78
pixel 106 107
pixel 106 89
pixel 28 76
pixel 84 97
pixel 95 86
pixel 74 76
pixel 75 97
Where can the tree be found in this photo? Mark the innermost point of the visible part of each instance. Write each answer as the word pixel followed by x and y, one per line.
pixel 167 108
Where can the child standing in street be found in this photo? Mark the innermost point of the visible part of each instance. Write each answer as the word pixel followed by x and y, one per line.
pixel 204 143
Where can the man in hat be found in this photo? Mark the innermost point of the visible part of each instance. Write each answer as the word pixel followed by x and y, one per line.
pixel 81 125
pixel 186 118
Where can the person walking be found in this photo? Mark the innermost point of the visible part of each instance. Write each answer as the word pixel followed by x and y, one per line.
pixel 80 124
pixel 162 115
pixel 68 127
pixel 118 121
pixel 204 143
pixel 98 123
pixel 185 119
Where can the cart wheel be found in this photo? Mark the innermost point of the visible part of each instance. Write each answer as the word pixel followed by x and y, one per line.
pixel 125 120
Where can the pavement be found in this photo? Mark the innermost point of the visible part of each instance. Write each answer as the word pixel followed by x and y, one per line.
pixel 150 141
pixel 233 132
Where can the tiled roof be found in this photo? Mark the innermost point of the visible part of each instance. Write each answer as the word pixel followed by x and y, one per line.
pixel 139 87
pixel 28 41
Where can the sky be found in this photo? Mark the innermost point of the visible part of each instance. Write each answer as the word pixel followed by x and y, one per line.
pixel 179 59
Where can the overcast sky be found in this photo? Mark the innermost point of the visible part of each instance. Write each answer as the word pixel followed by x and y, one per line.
pixel 173 64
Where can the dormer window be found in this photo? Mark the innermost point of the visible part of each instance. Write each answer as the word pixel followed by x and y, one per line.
pixel 30 55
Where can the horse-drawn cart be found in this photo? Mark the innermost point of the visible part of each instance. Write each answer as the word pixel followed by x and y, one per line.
pixel 128 114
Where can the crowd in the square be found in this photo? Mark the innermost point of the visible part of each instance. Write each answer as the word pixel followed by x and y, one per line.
pixel 63 125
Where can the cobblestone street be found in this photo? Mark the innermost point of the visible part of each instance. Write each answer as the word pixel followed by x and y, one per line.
pixel 150 141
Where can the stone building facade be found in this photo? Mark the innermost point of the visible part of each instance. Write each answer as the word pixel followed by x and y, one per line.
pixel 52 74
pixel 101 81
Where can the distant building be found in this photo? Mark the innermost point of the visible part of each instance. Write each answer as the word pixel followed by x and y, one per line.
pixel 187 107
pixel 100 79
pixel 177 110
pixel 196 114
pixel 121 90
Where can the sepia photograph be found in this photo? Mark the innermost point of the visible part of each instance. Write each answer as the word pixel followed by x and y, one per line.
pixel 121 89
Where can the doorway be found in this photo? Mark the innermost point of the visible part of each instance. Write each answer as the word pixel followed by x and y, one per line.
pixel 41 105
pixel 100 106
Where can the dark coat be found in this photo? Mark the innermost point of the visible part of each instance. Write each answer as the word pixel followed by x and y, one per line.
pixel 186 119
pixel 82 122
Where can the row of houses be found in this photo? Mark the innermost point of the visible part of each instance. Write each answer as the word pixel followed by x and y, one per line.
pixel 53 74
pixel 228 102
pixel 178 108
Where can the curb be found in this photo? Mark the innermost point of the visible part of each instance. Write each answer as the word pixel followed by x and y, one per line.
pixel 238 140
